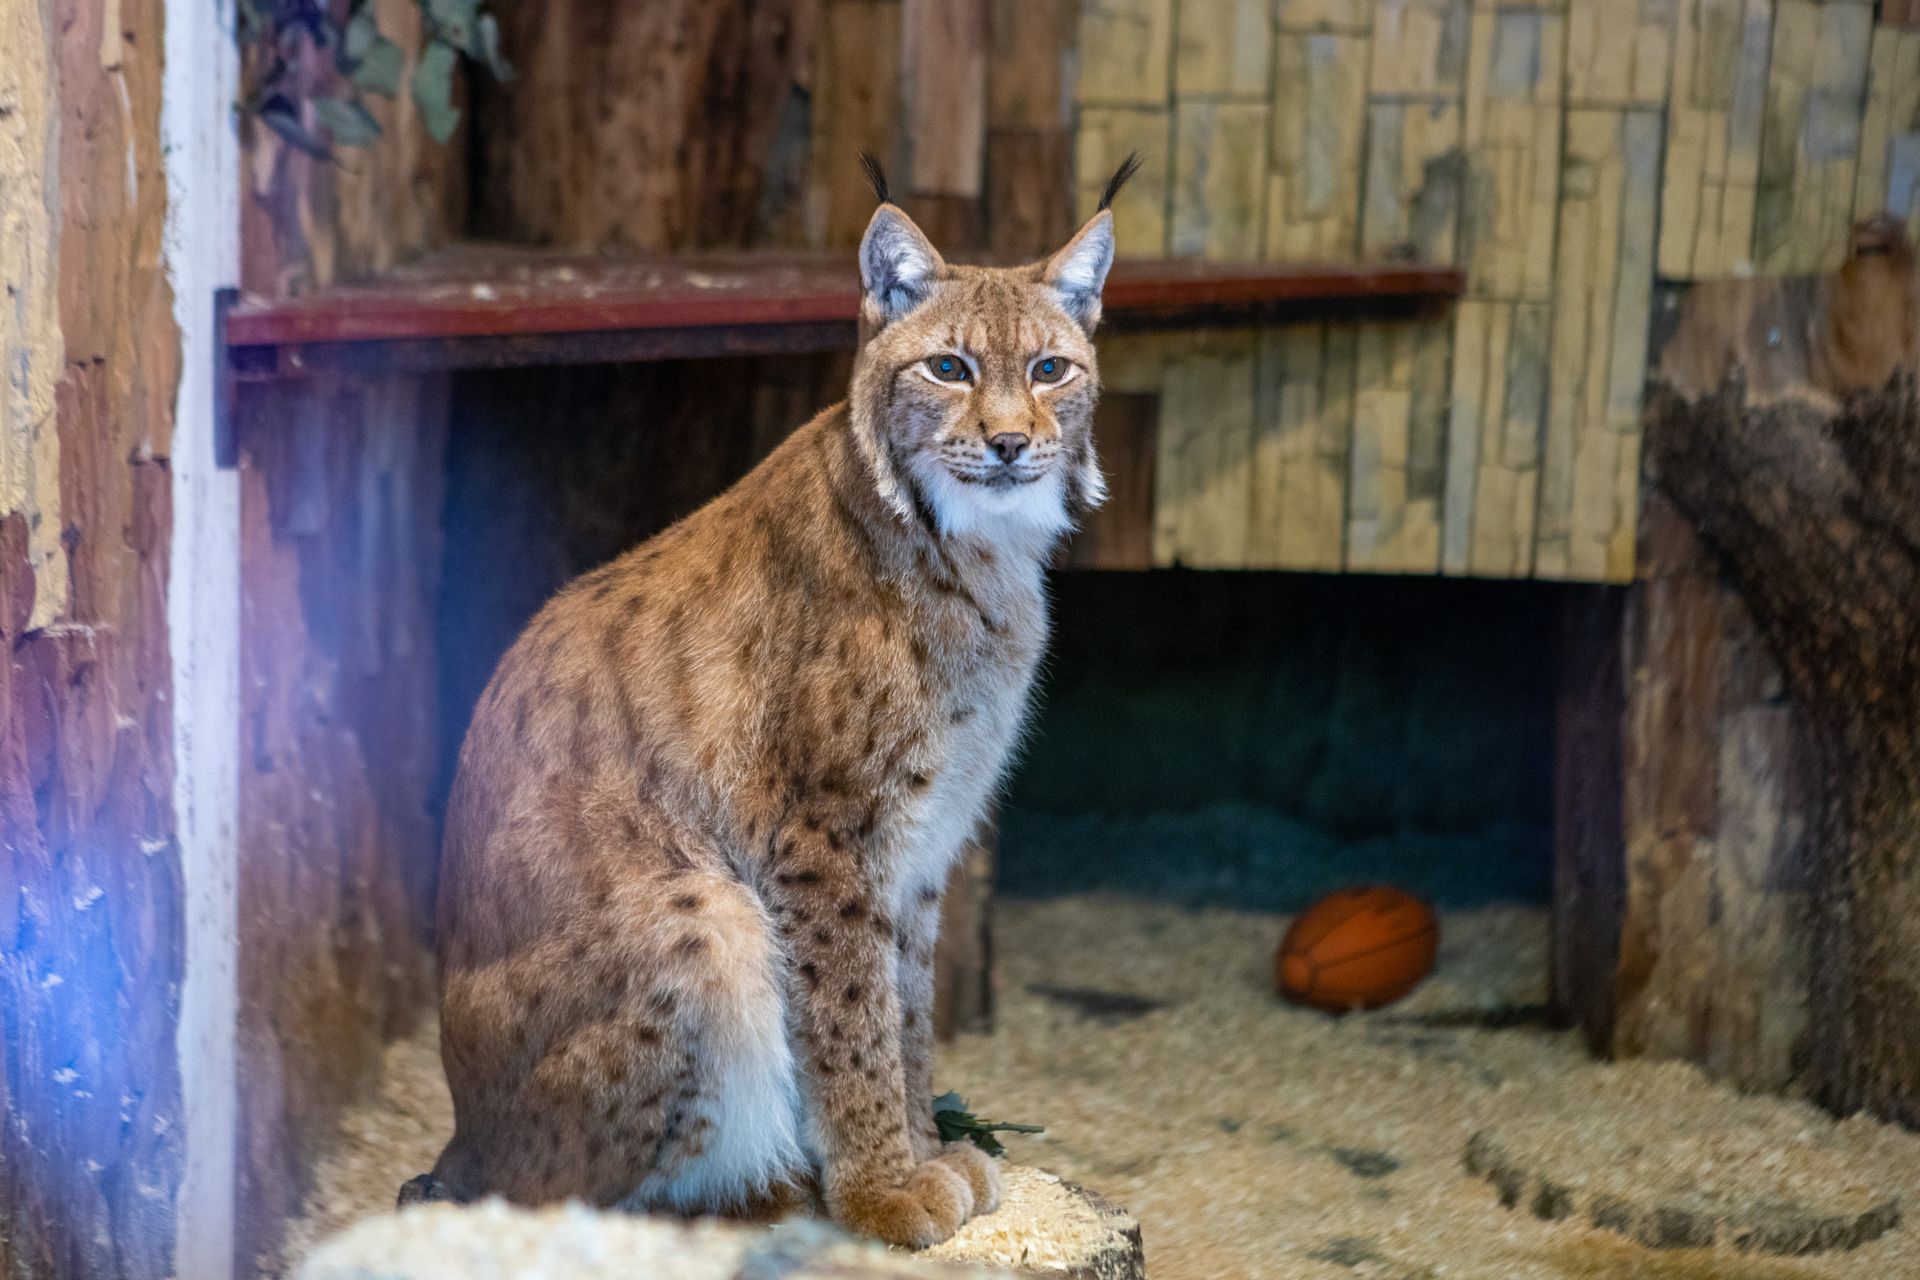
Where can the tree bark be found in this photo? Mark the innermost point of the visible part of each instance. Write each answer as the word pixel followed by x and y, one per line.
pixel 1801 470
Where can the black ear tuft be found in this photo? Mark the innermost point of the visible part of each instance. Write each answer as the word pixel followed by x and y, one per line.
pixel 1128 167
pixel 876 177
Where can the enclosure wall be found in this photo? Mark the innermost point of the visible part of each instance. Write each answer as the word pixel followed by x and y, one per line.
pixel 91 939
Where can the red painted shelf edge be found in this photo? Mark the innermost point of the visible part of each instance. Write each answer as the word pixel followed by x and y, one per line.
pixel 807 291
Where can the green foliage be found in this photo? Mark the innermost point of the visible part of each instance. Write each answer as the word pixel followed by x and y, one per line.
pixel 346 121
pixel 278 32
pixel 955 1122
pixel 433 91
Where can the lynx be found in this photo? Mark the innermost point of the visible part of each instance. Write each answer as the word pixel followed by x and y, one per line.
pixel 707 804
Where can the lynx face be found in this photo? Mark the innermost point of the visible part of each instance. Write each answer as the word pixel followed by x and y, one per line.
pixel 978 384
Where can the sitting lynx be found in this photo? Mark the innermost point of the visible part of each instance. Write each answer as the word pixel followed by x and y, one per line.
pixel 707 804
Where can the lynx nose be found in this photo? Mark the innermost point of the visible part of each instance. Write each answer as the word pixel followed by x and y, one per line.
pixel 1008 444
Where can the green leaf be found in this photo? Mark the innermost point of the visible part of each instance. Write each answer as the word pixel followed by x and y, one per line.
pixel 379 70
pixel 350 124
pixel 433 90
pixel 954 1121
pixel 361 36
pixel 453 20
pixel 252 21
pixel 279 115
pixel 487 37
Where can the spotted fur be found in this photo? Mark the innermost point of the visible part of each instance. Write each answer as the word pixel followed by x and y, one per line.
pixel 707 804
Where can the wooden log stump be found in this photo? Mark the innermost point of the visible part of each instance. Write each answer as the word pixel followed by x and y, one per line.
pixel 1784 424
pixel 1044 1227
pixel 1049 1227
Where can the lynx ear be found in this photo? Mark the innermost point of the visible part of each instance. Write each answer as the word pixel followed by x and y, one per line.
pixel 1078 272
pixel 898 266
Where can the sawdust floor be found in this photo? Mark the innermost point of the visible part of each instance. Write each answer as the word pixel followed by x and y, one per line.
pixel 1254 1139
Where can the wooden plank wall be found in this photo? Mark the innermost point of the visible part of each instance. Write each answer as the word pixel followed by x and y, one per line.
pixel 339 546
pixel 1564 153
pixel 93 940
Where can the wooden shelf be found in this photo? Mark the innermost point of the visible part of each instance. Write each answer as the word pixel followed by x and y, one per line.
pixel 481 306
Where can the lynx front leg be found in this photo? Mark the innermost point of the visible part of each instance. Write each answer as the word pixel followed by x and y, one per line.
pixel 847 1007
pixel 919 930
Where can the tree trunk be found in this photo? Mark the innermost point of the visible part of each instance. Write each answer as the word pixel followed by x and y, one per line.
pixel 1801 470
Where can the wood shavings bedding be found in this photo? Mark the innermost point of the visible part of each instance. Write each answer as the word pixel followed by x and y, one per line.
pixel 1256 1139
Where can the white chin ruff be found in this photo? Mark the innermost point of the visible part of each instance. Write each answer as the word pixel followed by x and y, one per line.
pixel 1038 509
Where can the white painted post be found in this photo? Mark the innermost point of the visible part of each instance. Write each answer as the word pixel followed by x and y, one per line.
pixel 203 617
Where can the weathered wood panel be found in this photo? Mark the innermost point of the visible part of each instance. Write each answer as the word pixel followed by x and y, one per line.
pixel 1106 137
pixel 1126 50
pixel 1414 179
pixel 963 952
pixel 1319 122
pixel 339 547
pixel 1224 48
pixel 1029 191
pixel 1219 182
pixel 1715 964
pixel 1494 429
pixel 1399 433
pixel 1134 362
pixel 1619 52
pixel 1589 813
pixel 1889 174
pixel 1029 42
pixel 1202 478
pixel 1323 15
pixel 1303 432
pixel 1516 86
pixel 650 126
pixel 856 108
pixel 1714 116
pixel 1030 160
pixel 91 1121
pixel 944 72
pixel 340 505
pixel 1804 494
pixel 1603 299
pixel 1119 535
pixel 1420 48
pixel 1816 94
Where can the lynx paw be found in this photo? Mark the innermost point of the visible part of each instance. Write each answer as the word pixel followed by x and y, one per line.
pixel 930 1206
pixel 425 1189
pixel 980 1171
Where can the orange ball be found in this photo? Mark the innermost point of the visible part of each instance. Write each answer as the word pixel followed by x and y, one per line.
pixel 1359 948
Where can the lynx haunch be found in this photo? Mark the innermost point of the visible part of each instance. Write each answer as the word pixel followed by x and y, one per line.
pixel 703 815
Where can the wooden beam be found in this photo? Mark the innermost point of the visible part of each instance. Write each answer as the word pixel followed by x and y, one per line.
pixel 1715 926
pixel 1589 862
pixel 486 307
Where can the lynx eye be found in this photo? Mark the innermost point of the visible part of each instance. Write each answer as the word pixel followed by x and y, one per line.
pixel 1052 369
pixel 948 368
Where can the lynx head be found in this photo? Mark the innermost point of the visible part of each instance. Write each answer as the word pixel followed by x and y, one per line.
pixel 974 387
